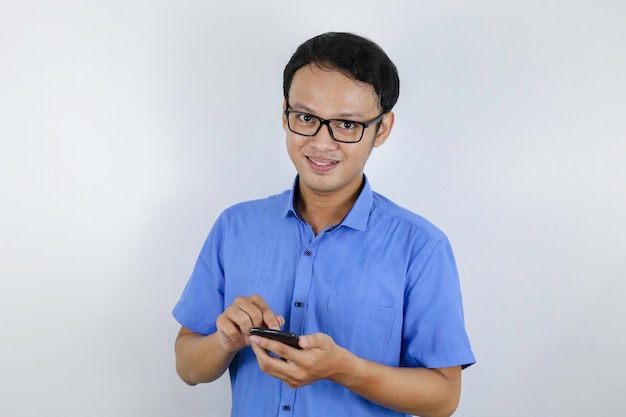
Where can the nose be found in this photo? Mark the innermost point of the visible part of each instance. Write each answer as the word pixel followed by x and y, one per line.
pixel 323 138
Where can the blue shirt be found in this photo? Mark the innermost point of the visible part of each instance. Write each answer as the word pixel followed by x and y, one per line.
pixel 382 283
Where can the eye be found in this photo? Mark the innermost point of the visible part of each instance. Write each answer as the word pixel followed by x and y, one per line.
pixel 305 118
pixel 346 124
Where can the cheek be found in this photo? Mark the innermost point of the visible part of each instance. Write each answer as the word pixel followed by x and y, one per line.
pixel 292 147
pixel 364 151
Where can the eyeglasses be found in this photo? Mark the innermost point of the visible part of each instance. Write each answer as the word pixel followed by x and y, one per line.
pixel 346 131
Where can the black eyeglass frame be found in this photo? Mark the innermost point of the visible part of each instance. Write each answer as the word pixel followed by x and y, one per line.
pixel 327 122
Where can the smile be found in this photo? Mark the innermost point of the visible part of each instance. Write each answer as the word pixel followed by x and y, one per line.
pixel 321 163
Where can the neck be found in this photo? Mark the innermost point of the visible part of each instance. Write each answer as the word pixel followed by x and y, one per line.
pixel 322 210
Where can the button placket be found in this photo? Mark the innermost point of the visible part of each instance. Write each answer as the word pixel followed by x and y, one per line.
pixel 303 277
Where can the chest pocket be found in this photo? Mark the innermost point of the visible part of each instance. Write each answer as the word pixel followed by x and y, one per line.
pixel 363 329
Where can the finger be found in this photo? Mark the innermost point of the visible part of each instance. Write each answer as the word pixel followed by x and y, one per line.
pixel 239 317
pixel 282 350
pixel 266 317
pixel 304 342
pixel 314 340
pixel 277 367
pixel 256 348
pixel 249 311
pixel 229 327
pixel 281 368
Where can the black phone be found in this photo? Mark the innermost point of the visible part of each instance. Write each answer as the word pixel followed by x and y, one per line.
pixel 288 338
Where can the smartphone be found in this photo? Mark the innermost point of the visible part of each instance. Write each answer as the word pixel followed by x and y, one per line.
pixel 288 338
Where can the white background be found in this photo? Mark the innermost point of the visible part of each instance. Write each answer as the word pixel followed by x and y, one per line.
pixel 127 126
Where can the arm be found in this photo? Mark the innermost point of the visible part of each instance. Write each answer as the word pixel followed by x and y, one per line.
pixel 419 391
pixel 202 358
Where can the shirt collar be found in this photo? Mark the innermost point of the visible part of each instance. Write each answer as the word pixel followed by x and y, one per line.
pixel 356 218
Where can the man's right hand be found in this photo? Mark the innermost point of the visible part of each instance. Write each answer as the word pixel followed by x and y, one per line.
pixel 234 323
pixel 202 358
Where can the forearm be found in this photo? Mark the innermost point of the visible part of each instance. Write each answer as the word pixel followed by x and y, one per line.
pixel 200 358
pixel 419 391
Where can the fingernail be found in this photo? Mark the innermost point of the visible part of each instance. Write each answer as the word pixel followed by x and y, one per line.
pixel 281 321
pixel 303 341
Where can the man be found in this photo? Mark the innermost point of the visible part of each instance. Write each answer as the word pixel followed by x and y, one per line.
pixel 371 287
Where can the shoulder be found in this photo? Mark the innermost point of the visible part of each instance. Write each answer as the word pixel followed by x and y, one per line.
pixel 388 212
pixel 274 205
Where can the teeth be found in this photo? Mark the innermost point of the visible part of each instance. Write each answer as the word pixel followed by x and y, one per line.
pixel 320 163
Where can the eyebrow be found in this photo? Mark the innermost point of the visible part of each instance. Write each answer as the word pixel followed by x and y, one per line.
pixel 303 107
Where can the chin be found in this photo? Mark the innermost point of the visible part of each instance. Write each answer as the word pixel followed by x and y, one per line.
pixel 319 185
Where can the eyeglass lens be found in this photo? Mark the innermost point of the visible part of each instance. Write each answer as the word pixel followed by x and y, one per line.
pixel 309 125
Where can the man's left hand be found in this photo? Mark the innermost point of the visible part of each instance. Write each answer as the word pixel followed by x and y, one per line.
pixel 319 358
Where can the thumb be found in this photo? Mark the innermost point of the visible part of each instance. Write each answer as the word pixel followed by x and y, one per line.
pixel 310 341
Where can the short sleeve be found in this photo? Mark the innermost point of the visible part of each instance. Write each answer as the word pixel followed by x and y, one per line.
pixel 434 334
pixel 202 299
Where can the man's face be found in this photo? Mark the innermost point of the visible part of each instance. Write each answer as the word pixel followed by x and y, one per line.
pixel 326 166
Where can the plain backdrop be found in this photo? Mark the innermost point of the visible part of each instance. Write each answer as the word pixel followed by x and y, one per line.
pixel 126 127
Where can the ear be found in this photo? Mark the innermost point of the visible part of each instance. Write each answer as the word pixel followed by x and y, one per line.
pixel 385 129
pixel 284 117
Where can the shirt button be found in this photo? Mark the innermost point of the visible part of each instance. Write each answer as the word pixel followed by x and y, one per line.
pixel 286 408
pixel 307 252
pixel 297 304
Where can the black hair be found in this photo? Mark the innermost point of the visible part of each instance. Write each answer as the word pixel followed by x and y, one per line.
pixel 355 56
